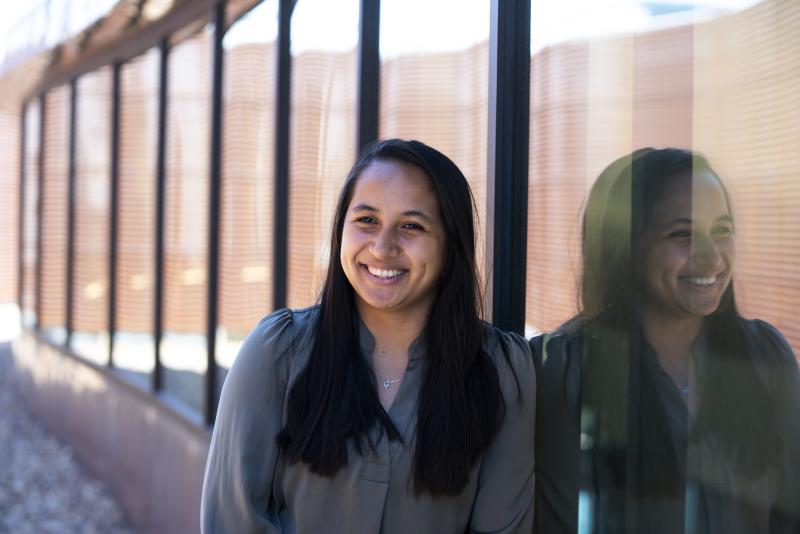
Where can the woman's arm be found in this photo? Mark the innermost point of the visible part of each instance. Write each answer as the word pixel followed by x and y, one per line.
pixel 504 500
pixel 237 489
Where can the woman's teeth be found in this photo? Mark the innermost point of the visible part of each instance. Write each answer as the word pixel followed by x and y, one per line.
pixel 383 273
pixel 703 282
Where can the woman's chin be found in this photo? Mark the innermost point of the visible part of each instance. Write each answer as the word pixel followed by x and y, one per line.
pixel 702 307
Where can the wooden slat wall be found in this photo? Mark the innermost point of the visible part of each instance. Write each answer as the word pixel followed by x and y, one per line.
pixel 442 100
pixel 134 348
pixel 54 212
pixel 245 284
pixel 323 140
pixel 29 254
pixel 137 197
pixel 592 101
pixel 747 121
pixel 9 205
pixel 733 99
pixel 186 226
pixel 92 216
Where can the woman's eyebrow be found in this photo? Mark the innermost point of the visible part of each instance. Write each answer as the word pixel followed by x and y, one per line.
pixel 416 213
pixel 364 207
pixel 407 213
pixel 684 220
pixel 679 220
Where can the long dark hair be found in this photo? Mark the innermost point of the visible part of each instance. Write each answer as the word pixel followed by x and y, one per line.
pixel 734 407
pixel 460 405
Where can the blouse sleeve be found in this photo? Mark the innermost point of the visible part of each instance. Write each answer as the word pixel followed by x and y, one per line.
pixel 237 488
pixel 504 500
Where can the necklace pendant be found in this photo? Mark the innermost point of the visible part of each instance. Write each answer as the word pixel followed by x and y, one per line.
pixel 388 382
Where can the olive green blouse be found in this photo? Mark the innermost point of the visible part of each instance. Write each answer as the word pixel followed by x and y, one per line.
pixel 249 489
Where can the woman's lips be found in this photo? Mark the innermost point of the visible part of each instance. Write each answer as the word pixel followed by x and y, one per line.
pixel 384 276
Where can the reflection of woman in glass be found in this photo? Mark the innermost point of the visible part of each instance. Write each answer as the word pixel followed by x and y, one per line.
pixel 660 408
pixel 389 407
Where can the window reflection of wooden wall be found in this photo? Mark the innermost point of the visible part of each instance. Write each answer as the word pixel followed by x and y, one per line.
pixel 732 99
pixel 726 88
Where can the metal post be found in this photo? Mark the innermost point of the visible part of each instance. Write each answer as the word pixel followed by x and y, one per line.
pixel 507 188
pixel 281 197
pixel 71 197
pixel 40 210
pixel 211 396
pixel 21 214
pixel 157 378
pixel 113 210
pixel 369 73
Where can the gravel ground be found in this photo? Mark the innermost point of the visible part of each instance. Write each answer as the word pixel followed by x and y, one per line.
pixel 43 489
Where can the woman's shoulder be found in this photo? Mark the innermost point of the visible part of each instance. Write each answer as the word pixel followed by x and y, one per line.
pixel 767 341
pixel 555 348
pixel 511 356
pixel 499 343
pixel 272 338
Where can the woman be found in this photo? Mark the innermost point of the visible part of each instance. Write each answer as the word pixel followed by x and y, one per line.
pixel 660 408
pixel 389 406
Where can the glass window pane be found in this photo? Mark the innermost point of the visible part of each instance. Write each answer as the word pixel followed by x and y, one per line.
pixel 92 200
pixel 676 408
pixel 9 219
pixel 55 190
pixel 602 86
pixel 323 134
pixel 248 162
pixel 31 185
pixel 747 122
pixel 183 347
pixel 434 87
pixel 134 345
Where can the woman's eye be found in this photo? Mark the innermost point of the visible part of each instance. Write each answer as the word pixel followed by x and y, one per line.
pixel 681 234
pixel 366 220
pixel 412 226
pixel 723 231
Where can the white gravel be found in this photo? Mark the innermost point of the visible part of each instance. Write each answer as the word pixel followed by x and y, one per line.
pixel 43 489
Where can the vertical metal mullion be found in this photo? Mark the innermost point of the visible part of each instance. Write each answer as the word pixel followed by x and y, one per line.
pixel 215 198
pixel 281 195
pixel 21 215
pixel 113 210
pixel 369 73
pixel 158 287
pixel 71 197
pixel 40 210
pixel 507 187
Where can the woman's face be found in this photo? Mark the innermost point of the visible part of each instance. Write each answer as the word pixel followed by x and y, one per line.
pixel 689 248
pixel 393 239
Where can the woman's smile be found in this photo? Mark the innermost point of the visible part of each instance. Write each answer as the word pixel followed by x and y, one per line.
pixel 384 276
pixel 705 281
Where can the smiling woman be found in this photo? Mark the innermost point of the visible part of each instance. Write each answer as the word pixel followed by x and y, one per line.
pixel 390 406
pixel 661 409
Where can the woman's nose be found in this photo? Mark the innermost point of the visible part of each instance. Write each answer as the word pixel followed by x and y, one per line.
pixel 385 244
pixel 704 250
